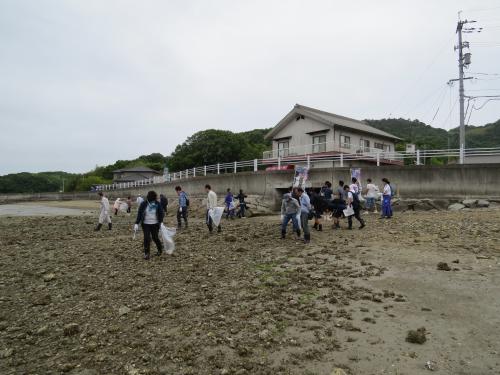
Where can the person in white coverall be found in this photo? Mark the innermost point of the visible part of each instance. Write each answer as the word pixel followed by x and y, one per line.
pixel 211 204
pixel 104 216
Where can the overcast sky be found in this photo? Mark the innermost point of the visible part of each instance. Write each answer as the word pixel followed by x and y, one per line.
pixel 87 82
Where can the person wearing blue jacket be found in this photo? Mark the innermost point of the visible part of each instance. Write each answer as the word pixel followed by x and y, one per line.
pixel 150 216
pixel 183 207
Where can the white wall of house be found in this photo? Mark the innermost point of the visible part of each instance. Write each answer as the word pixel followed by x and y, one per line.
pixel 300 141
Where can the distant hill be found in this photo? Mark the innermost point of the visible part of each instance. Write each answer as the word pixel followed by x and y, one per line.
pixel 481 136
pixel 34 182
pixel 427 137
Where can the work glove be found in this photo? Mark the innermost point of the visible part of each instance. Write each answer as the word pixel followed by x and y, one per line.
pixel 180 209
pixel 136 227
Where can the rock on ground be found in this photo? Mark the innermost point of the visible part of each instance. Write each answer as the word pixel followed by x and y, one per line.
pixel 456 207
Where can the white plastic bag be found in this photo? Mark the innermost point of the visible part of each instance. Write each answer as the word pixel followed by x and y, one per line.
pixel 216 215
pixel 123 206
pixel 349 211
pixel 167 234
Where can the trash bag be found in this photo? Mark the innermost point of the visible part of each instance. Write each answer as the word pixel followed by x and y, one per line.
pixel 167 235
pixel 349 211
pixel 123 206
pixel 216 215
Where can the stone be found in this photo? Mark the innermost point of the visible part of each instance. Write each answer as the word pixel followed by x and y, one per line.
pixel 42 330
pixel 483 203
pixel 123 310
pixel 469 202
pixel 456 207
pixel 338 371
pixel 71 329
pixel 416 337
pixel 6 353
pixel 264 334
pixel 49 277
pixel 442 266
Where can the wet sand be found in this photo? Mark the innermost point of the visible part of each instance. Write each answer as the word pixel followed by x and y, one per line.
pixel 245 302
pixel 37 209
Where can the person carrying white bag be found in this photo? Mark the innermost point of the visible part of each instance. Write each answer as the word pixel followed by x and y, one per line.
pixel 150 216
pixel 353 208
pixel 214 213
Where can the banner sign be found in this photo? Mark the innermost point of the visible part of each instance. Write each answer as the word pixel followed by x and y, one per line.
pixel 356 172
pixel 301 176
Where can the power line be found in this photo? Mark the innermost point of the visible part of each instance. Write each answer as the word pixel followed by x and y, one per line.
pixel 483 90
pixel 486 102
pixel 449 113
pixel 481 9
pixel 418 79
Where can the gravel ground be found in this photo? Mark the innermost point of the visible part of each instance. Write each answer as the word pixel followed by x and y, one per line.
pixel 245 302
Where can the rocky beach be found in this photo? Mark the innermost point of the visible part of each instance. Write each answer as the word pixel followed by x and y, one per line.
pixel 411 295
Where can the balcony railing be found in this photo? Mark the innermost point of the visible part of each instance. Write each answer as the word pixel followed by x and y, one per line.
pixel 333 148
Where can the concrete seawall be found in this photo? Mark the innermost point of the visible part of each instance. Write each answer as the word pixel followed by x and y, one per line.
pixel 436 182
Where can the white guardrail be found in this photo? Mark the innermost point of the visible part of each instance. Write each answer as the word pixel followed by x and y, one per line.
pixel 276 163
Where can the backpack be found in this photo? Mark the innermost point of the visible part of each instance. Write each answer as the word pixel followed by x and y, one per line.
pixel 187 199
pixel 393 191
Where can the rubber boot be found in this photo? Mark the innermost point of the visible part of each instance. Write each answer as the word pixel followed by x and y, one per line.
pixel 320 228
pixel 219 229
pixel 298 233
pixel 283 235
pixel 158 253
pixel 307 238
pixel 98 228
pixel 362 224
pixel 146 254
pixel 110 226
pixel 315 226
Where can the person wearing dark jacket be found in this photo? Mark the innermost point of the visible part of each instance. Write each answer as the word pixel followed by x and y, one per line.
pixel 353 201
pixel 150 216
pixel 164 203
pixel 242 204
pixel 320 205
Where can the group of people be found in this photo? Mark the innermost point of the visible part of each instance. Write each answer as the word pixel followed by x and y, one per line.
pixel 152 210
pixel 300 206
pixel 235 206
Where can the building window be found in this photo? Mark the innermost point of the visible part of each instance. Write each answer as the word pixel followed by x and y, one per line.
pixel 364 144
pixel 283 148
pixel 387 148
pixel 378 145
pixel 319 143
pixel 345 141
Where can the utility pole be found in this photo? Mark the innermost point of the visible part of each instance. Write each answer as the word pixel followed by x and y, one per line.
pixel 460 25
pixel 464 60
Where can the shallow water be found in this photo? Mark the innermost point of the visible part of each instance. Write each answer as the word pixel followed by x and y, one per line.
pixel 37 210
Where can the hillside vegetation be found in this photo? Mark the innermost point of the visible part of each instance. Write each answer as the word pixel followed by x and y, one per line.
pixel 427 137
